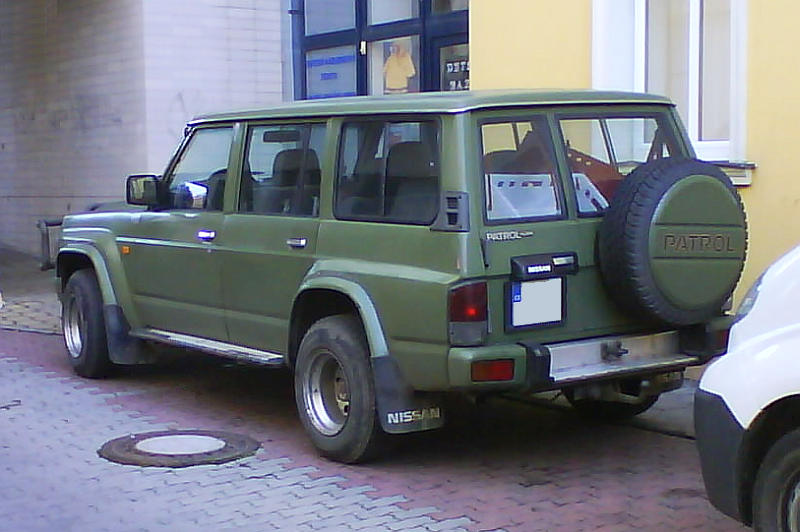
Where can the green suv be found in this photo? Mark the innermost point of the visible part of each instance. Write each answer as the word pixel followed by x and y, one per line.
pixel 390 250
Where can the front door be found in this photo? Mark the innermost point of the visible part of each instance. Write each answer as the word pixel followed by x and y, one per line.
pixel 172 261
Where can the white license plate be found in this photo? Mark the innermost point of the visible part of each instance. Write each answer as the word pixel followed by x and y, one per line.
pixel 536 302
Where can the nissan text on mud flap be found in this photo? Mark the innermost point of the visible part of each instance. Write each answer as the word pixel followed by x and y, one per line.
pixel 391 250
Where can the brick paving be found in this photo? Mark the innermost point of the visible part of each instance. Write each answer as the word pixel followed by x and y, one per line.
pixel 515 466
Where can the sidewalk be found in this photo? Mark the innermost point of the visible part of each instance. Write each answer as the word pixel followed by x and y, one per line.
pixel 28 294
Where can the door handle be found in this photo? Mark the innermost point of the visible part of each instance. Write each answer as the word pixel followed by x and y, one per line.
pixel 296 243
pixel 206 235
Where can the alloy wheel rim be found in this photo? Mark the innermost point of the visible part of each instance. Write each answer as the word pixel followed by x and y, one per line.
pixel 793 508
pixel 74 327
pixel 327 394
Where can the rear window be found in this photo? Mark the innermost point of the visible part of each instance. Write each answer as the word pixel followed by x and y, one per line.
pixel 521 177
pixel 601 151
pixel 388 172
pixel 520 171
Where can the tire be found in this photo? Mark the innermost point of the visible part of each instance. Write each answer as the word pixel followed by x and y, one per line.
pixel 672 244
pixel 776 492
pixel 83 326
pixel 335 391
pixel 595 409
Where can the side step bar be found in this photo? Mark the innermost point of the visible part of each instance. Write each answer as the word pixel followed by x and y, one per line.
pixel 214 347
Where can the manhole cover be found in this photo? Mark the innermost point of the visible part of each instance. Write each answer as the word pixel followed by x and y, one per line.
pixel 178 448
pixel 176 444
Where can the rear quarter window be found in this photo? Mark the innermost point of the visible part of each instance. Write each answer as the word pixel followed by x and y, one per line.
pixel 388 171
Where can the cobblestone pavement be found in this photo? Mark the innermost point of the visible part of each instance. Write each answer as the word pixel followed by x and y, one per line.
pixel 510 466
pixel 28 299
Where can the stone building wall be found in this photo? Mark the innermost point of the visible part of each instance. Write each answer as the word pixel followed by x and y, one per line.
pixel 94 90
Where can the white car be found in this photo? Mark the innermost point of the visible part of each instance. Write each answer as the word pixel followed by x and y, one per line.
pixel 747 407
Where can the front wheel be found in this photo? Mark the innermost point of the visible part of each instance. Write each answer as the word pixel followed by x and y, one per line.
pixel 84 327
pixel 335 392
pixel 776 493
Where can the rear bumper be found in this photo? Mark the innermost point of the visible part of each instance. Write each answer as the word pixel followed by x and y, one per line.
pixel 539 367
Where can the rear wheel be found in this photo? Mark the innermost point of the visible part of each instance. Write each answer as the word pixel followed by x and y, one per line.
pixel 83 325
pixel 334 390
pixel 776 493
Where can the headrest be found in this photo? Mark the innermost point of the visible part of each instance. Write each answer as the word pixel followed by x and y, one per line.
pixel 312 168
pixel 286 167
pixel 411 160
pixel 498 161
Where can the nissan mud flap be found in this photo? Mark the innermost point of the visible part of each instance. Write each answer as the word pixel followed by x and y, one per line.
pixel 400 408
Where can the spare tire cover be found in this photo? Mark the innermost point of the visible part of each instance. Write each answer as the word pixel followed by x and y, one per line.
pixel 673 241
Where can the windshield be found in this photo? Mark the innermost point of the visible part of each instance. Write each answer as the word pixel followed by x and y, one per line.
pixel 519 161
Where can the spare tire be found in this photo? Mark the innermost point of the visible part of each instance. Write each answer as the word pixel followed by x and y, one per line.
pixel 672 244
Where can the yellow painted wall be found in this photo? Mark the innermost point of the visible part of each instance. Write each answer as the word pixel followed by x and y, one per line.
pixel 530 44
pixel 545 43
pixel 773 132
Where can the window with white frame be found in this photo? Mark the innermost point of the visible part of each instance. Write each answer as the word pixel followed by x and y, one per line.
pixel 692 51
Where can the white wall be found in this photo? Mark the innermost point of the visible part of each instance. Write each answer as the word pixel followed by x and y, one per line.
pixel 71 99
pixel 205 56
pixel 94 90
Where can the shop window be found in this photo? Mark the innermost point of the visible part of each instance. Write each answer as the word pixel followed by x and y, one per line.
pixel 331 72
pixel 454 67
pixel 381 11
pixel 324 16
pixel 444 6
pixel 394 66
pixel 350 47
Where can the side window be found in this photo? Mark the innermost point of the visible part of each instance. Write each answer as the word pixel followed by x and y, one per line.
pixel 197 180
pixel 281 174
pixel 520 171
pixel 601 151
pixel 388 172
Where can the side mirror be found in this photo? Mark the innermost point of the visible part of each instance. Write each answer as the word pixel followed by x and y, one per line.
pixel 142 189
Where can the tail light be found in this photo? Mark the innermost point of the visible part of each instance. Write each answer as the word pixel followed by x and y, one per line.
pixel 492 370
pixel 468 311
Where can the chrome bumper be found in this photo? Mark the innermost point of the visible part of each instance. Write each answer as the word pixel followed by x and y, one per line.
pixel 599 358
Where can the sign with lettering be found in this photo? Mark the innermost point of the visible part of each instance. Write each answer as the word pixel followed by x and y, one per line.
pixel 331 72
pixel 455 74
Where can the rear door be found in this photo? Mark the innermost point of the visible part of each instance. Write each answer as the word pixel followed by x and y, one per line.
pixel 270 240
pixel 548 178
